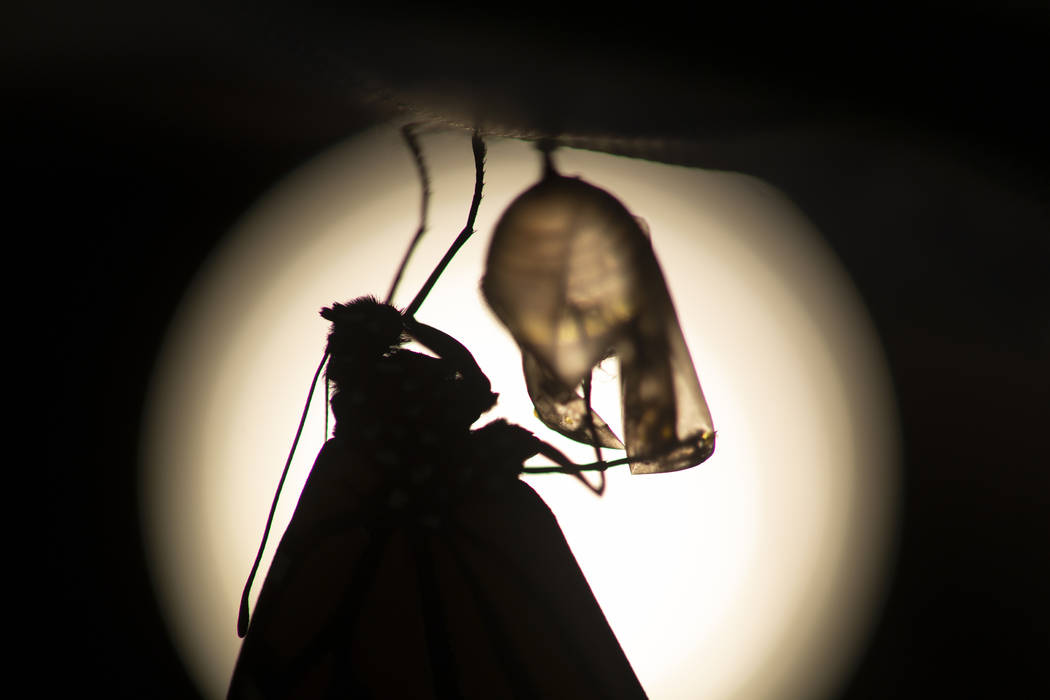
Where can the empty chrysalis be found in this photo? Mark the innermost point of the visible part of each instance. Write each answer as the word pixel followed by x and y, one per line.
pixel 572 275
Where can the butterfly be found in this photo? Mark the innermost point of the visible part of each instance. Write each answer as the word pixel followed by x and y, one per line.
pixel 417 563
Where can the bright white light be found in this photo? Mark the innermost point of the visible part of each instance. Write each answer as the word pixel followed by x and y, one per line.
pixel 755 574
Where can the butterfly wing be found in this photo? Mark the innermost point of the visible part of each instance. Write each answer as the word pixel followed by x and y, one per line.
pixel 529 625
pixel 478 596
pixel 314 588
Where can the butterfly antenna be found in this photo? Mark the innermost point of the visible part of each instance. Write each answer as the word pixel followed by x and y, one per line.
pixel 242 613
pixel 478 145
pixel 408 132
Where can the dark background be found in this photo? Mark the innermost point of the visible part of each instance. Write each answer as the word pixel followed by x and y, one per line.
pixel 915 141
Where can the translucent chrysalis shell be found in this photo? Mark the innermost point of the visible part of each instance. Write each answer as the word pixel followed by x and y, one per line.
pixel 572 275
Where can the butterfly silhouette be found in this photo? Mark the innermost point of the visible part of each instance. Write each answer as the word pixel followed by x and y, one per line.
pixel 417 564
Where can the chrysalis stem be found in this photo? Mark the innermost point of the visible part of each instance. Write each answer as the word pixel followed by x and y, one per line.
pixel 546 147
pixel 242 614
pixel 479 178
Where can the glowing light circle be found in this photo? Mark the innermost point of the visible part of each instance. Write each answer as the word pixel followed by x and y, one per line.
pixel 756 574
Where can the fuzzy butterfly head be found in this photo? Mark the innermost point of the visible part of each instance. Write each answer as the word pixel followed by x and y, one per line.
pixel 572 275
pixel 362 329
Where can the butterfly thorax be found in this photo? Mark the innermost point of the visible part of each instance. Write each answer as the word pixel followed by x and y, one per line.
pixel 403 418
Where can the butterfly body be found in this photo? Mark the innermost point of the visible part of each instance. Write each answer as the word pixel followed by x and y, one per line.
pixel 416 563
